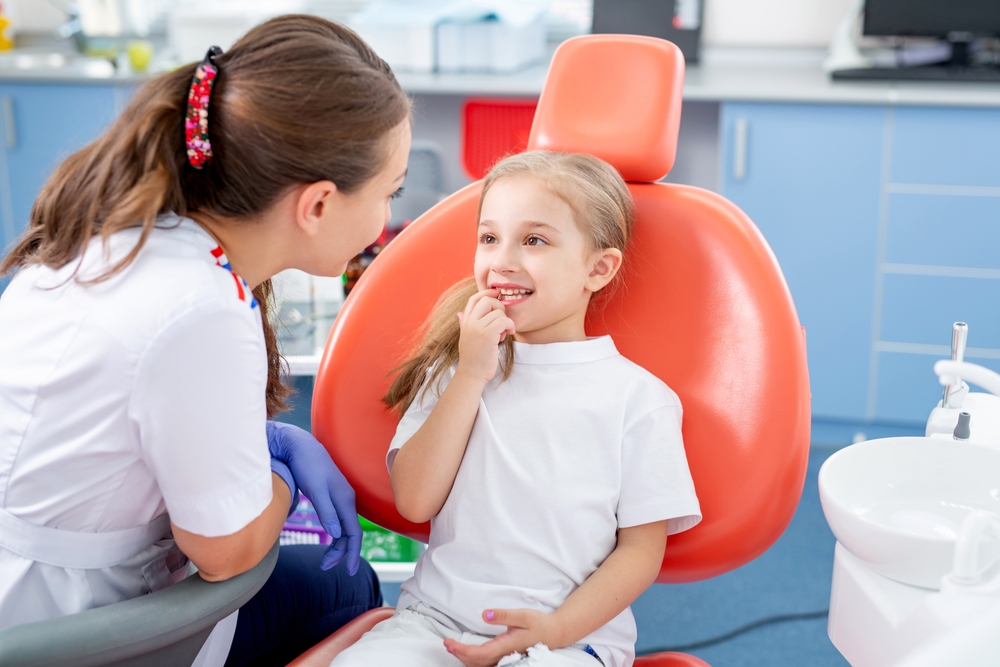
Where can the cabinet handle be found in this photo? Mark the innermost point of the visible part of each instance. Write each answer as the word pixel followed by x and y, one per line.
pixel 10 128
pixel 740 149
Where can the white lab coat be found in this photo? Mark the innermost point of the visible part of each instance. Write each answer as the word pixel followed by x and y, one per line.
pixel 121 402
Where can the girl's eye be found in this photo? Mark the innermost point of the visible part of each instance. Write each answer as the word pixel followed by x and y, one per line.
pixel 397 194
pixel 534 241
pixel 487 238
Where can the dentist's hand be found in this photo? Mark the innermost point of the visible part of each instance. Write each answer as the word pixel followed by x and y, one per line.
pixel 319 479
pixel 483 325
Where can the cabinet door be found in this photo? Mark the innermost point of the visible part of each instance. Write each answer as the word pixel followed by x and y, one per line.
pixel 809 176
pixel 941 263
pixel 44 123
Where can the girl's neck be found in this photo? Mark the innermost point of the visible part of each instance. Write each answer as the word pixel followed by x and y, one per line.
pixel 567 330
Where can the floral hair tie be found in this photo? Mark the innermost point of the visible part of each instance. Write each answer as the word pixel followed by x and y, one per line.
pixel 199 147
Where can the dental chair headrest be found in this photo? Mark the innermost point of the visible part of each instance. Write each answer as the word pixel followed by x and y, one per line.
pixel 617 97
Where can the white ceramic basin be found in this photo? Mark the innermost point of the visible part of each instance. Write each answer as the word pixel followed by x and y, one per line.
pixel 898 503
pixel 49 63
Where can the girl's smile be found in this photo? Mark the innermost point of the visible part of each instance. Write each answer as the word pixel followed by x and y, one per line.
pixel 509 294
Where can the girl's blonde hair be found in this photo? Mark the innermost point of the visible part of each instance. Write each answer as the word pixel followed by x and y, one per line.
pixel 602 207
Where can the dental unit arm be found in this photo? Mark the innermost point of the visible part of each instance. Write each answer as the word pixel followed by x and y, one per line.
pixel 982 425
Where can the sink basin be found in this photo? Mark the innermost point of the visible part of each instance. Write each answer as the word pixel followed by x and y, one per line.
pixel 898 503
pixel 55 63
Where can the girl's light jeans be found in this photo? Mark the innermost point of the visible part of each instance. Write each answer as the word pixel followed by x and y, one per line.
pixel 415 637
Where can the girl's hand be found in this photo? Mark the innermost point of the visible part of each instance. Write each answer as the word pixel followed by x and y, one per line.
pixel 525 628
pixel 483 325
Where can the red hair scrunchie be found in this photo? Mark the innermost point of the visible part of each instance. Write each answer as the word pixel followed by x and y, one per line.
pixel 199 146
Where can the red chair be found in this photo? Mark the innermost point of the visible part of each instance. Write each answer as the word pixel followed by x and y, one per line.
pixel 704 307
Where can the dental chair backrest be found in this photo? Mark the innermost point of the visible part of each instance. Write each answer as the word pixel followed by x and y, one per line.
pixel 704 307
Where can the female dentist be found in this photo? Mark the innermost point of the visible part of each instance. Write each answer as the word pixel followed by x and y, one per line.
pixel 138 363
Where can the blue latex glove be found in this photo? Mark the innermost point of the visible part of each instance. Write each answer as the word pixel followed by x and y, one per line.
pixel 318 478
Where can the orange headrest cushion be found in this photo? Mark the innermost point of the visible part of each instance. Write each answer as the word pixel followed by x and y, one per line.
pixel 617 97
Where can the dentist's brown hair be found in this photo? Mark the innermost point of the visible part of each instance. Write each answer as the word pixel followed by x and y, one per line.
pixel 602 207
pixel 299 99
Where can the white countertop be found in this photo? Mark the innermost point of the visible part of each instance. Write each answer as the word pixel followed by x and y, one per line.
pixel 747 76
pixel 750 75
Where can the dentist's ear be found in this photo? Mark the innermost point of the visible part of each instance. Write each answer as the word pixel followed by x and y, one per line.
pixel 604 267
pixel 312 205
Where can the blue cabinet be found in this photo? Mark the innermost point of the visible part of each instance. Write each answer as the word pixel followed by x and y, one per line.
pixel 941 257
pixel 886 223
pixel 809 177
pixel 44 123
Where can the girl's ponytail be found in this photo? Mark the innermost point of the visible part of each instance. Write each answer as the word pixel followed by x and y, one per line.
pixel 298 99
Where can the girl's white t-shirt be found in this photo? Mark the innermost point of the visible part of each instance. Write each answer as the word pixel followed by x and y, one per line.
pixel 577 443
pixel 125 399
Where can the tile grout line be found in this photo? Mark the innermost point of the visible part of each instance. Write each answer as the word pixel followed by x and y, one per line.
pixel 941 271
pixel 937 189
pixel 943 351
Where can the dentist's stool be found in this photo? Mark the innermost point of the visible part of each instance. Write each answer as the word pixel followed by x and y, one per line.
pixel 704 307
pixel 163 629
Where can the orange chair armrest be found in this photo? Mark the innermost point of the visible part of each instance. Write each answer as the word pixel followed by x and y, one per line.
pixel 323 653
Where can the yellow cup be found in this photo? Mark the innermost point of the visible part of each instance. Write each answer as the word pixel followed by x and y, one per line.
pixel 140 54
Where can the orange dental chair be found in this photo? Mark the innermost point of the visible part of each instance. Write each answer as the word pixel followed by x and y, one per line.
pixel 704 307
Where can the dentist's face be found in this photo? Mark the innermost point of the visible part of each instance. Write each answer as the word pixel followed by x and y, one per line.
pixel 533 252
pixel 354 221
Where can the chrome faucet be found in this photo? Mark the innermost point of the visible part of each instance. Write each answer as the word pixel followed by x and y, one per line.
pixel 959 337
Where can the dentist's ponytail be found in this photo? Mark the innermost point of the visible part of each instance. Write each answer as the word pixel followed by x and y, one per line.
pixel 602 207
pixel 299 99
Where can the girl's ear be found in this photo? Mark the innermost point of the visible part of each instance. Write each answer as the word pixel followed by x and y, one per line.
pixel 314 203
pixel 605 265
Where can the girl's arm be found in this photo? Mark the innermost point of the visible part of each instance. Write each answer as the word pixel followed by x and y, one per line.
pixel 624 575
pixel 425 467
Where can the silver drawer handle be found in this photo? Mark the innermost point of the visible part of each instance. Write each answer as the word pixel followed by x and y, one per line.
pixel 740 149
pixel 10 127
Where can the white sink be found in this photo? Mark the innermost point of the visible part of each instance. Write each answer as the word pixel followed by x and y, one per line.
pixel 898 503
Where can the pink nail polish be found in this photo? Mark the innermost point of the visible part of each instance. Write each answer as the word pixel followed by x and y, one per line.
pixel 489 616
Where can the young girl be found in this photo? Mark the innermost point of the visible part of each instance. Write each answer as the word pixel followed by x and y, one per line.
pixel 551 467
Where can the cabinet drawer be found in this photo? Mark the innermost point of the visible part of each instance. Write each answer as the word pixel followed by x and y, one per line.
pixel 922 309
pixel 944 230
pixel 908 388
pixel 946 146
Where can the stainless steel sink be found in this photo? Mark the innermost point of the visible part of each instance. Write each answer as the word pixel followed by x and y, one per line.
pixel 48 63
